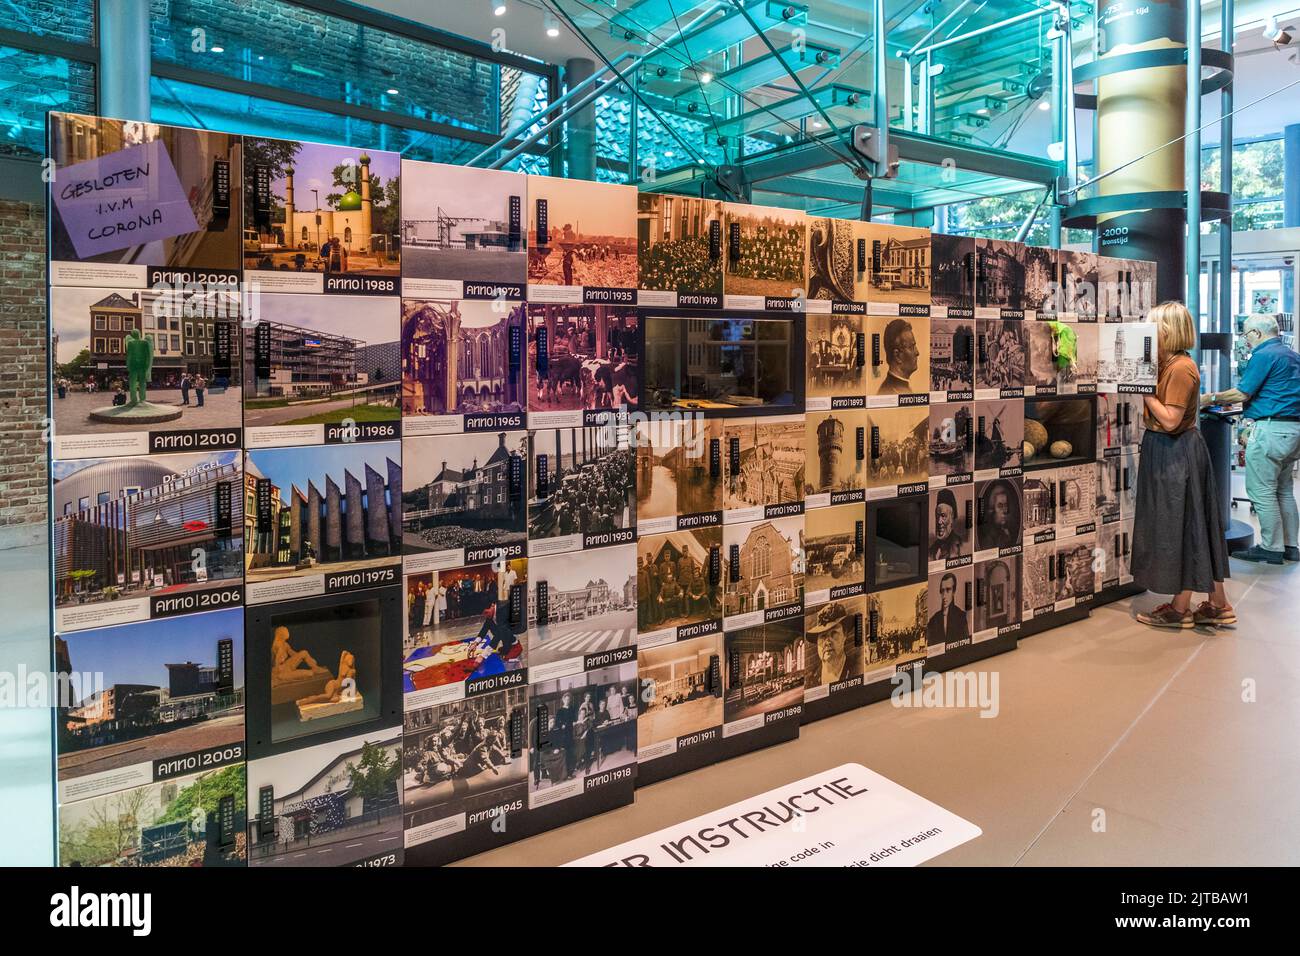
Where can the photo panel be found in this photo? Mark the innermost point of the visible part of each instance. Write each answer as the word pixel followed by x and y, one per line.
pixel 898 360
pixel 153 701
pixel 1000 436
pixel 998 518
pixel 763 571
pixel 1077 363
pixel 679 251
pixel 950 604
pixel 332 804
pixel 583 362
pixel 322 219
pixel 580 608
pixel 836 361
pixel 1128 358
pixel 1130 461
pixel 678 585
pixel 737 364
pixel 463 232
pixel 950 538
pixel 462 366
pixel 764 467
pixel 464 775
pixel 148 537
pixel 1042 371
pixel 1076 499
pixel 837 258
pixel 766 257
pixel 952 360
pixel 465 499
pixel 952 276
pixel 1039 491
pixel 1081 281
pixel 1142 293
pixel 764 667
pixel 835 546
pixel 321 519
pixel 1039 586
pixel 1000 278
pixel 1043 299
pixel 192 820
pixel 897 541
pixel 679 473
pixel 897 622
pixel 1121 421
pixel 1002 358
pixel 1110 474
pixel 582 242
pixel 898 274
pixel 144 372
pixel 681 690
pixel 898 451
pixel 583 730
pixel 952 441
pixel 464 627
pixel 322 669
pixel 835 655
pixel 835 471
pixel 322 370
pixel 1114 543
pixel 583 488
pixel 137 205
pixel 1076 576
pixel 997 597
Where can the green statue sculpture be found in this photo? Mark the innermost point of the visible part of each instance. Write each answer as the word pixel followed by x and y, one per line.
pixel 139 367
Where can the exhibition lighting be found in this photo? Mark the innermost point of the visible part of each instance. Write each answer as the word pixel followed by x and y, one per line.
pixel 391 91
pixel 706 77
pixel 218 49
pixel 552 25
pixel 1044 105
pixel 498 7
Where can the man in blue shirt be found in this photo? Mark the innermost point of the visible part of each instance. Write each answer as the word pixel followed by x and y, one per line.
pixel 1270 389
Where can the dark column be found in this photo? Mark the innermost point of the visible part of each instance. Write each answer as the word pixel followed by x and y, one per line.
pixel 580 128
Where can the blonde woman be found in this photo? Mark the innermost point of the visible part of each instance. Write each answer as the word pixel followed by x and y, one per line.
pixel 1179 546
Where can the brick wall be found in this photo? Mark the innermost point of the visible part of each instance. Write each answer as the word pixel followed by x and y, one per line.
pixel 23 338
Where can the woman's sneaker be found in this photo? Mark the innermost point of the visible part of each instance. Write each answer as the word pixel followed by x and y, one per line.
pixel 1166 616
pixel 1209 615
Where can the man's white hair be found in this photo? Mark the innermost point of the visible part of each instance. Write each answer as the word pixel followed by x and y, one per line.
pixel 1265 325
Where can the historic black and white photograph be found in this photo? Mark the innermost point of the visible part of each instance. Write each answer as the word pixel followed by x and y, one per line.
pixel 679 468
pixel 1002 353
pixel 898 264
pixel 1041 370
pixel 1039 490
pixel 1128 354
pixel 1080 276
pixel 952 282
pixel 840 441
pixel 1042 281
pixel 999 434
pixel 763 459
pixel 952 518
pixel 457 762
pixel 898 361
pixel 898 446
pixel 1078 577
pixel 463 224
pixel 952 438
pixel 581 604
pixel 832 259
pixel 582 482
pixel 950 599
pixel 582 357
pixel 836 639
pixel 837 355
pixel 762 565
pixel 582 725
pixel 464 492
pixel 835 545
pixel 676 696
pixel 997 514
pixel 1040 566
pixel 901 616
pixel 680 243
pixel 674 579
pixel 773 256
pixel 1000 274
pixel 1077 498
pixel 581 233
pixel 952 355
pixel 764 667
pixel 997 593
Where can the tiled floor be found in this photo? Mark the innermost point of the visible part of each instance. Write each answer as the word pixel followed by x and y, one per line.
pixel 1114 744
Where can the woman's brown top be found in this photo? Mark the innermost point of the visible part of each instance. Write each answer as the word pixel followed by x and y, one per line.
pixel 1179 383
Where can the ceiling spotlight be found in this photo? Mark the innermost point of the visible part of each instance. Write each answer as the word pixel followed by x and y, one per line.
pixel 706 77
pixel 551 24
pixel 218 49
pixel 498 7
pixel 668 154
pixel 816 124
pixel 983 111
pixel 1278 35
pixel 1044 105
pixel 391 91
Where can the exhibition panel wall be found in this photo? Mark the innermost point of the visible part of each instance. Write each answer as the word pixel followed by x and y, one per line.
pixel 401 511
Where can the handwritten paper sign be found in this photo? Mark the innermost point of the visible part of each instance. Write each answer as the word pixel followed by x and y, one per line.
pixel 127 198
